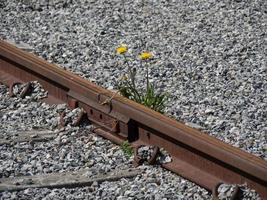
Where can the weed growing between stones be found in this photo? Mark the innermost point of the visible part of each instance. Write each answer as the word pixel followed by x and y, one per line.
pixel 127 85
pixel 127 149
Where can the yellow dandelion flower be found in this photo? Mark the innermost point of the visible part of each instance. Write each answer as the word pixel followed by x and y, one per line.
pixel 145 56
pixel 121 49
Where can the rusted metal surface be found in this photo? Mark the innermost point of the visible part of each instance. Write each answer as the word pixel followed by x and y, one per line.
pixel 151 161
pixel 196 156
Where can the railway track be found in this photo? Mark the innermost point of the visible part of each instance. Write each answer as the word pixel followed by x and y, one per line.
pixel 33 144
pixel 195 156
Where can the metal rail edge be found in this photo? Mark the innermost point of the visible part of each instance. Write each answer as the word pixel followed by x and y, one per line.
pixel 196 156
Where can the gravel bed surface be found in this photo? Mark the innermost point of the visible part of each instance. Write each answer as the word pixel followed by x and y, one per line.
pixel 210 56
pixel 76 148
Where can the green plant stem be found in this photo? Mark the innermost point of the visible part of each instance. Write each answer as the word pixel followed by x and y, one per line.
pixel 123 5
pixel 130 71
pixel 135 91
pixel 147 79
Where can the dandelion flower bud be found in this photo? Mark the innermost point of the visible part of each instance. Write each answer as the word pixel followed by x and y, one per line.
pixel 145 56
pixel 124 77
pixel 121 49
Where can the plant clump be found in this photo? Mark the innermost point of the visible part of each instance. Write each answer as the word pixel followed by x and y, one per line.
pixel 127 85
pixel 127 149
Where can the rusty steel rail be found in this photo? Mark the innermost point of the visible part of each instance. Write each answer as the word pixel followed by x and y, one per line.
pixel 196 156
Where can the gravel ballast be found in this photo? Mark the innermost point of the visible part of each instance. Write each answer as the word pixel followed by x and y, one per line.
pixel 210 56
